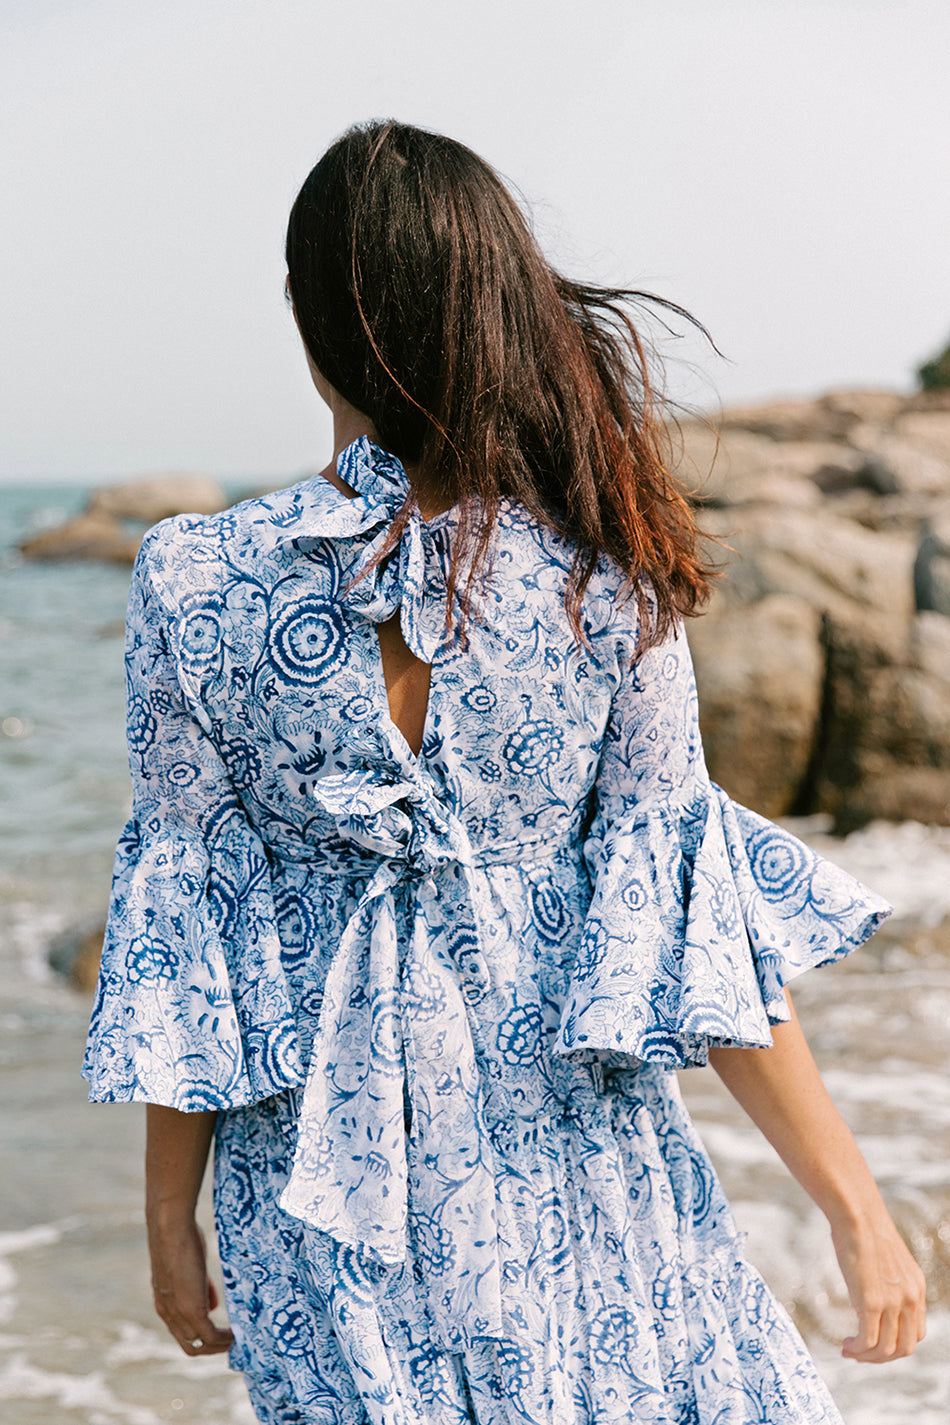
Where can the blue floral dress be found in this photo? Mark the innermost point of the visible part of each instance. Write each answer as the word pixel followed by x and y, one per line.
pixel 439 1000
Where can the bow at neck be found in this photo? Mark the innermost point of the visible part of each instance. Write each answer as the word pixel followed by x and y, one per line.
pixel 412 579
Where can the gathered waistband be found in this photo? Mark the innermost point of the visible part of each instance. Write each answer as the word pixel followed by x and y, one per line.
pixel 340 854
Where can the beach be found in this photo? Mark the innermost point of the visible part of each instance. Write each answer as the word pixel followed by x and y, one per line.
pixel 78 1340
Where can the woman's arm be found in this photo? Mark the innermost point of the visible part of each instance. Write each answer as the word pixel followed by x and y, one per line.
pixel 176 1153
pixel 782 1092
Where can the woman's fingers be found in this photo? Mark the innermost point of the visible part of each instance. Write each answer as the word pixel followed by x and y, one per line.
pixel 911 1331
pixel 184 1293
pixel 198 1335
pixel 208 1339
pixel 869 1326
pixel 888 1333
pixel 886 1287
pixel 894 1331
pixel 191 1326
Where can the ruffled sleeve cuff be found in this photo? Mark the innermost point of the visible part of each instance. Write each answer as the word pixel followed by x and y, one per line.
pixel 701 913
pixel 192 1007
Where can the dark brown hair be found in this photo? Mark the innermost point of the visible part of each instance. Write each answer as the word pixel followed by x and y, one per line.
pixel 424 299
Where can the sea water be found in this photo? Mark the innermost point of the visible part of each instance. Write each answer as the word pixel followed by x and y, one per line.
pixel 78 1341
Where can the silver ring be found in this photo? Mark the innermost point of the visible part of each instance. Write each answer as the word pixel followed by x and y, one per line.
pixel 196 1343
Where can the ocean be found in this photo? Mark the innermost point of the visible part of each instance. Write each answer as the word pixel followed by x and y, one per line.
pixel 78 1341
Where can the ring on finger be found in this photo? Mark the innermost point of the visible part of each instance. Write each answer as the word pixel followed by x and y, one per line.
pixel 196 1343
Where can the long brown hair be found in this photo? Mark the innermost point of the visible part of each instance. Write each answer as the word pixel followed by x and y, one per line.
pixel 424 299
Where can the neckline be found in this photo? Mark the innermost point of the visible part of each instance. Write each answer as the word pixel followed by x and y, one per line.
pixel 368 448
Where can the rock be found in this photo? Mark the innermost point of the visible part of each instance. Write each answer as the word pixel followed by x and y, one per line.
pixel 878 407
pixel 155 497
pixel 895 513
pixel 934 400
pixel 915 468
pixel 790 420
pixel 91 535
pixel 932 565
pixel 760 672
pixel 742 468
pixel 101 531
pixel 851 470
pixel 928 429
pixel 839 506
pixel 115 628
pixel 884 749
pixel 938 585
pixel 930 644
pixel 932 577
pixel 76 954
pixel 710 461
pixel 893 795
pixel 834 564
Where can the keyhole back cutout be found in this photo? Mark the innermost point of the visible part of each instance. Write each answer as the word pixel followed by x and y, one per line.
pixel 407 682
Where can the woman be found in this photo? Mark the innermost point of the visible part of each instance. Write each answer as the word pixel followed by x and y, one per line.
pixel 427 891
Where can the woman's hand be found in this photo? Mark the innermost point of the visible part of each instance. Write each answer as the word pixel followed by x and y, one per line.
pixel 184 1293
pixel 886 1288
pixel 782 1092
pixel 176 1152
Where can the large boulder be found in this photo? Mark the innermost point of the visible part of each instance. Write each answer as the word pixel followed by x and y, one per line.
pixel 885 745
pixel 154 497
pixel 790 420
pixel 823 663
pixel 864 404
pixel 739 467
pixel 91 535
pixel 761 672
pixel 834 564
pixel 116 517
pixel 76 952
pixel 916 467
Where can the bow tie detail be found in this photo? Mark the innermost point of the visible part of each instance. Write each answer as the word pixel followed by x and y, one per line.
pixel 395 811
pixel 394 1031
pixel 412 579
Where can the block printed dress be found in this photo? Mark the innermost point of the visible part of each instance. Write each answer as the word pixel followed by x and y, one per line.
pixel 438 1000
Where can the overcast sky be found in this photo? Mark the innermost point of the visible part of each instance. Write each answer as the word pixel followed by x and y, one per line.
pixel 779 168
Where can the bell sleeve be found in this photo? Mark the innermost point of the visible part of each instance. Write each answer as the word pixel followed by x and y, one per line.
pixel 192 1007
pixel 701 910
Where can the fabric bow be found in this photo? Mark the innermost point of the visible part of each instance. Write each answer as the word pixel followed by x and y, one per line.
pixel 391 1035
pixel 412 580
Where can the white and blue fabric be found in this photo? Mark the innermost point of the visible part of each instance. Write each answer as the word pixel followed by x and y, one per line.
pixel 438 1000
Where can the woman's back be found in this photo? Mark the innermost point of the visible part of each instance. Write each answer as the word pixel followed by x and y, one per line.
pixel 287 675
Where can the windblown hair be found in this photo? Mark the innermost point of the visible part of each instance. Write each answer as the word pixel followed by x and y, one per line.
pixel 424 299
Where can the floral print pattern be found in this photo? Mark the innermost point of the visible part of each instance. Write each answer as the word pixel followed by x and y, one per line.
pixel 437 999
